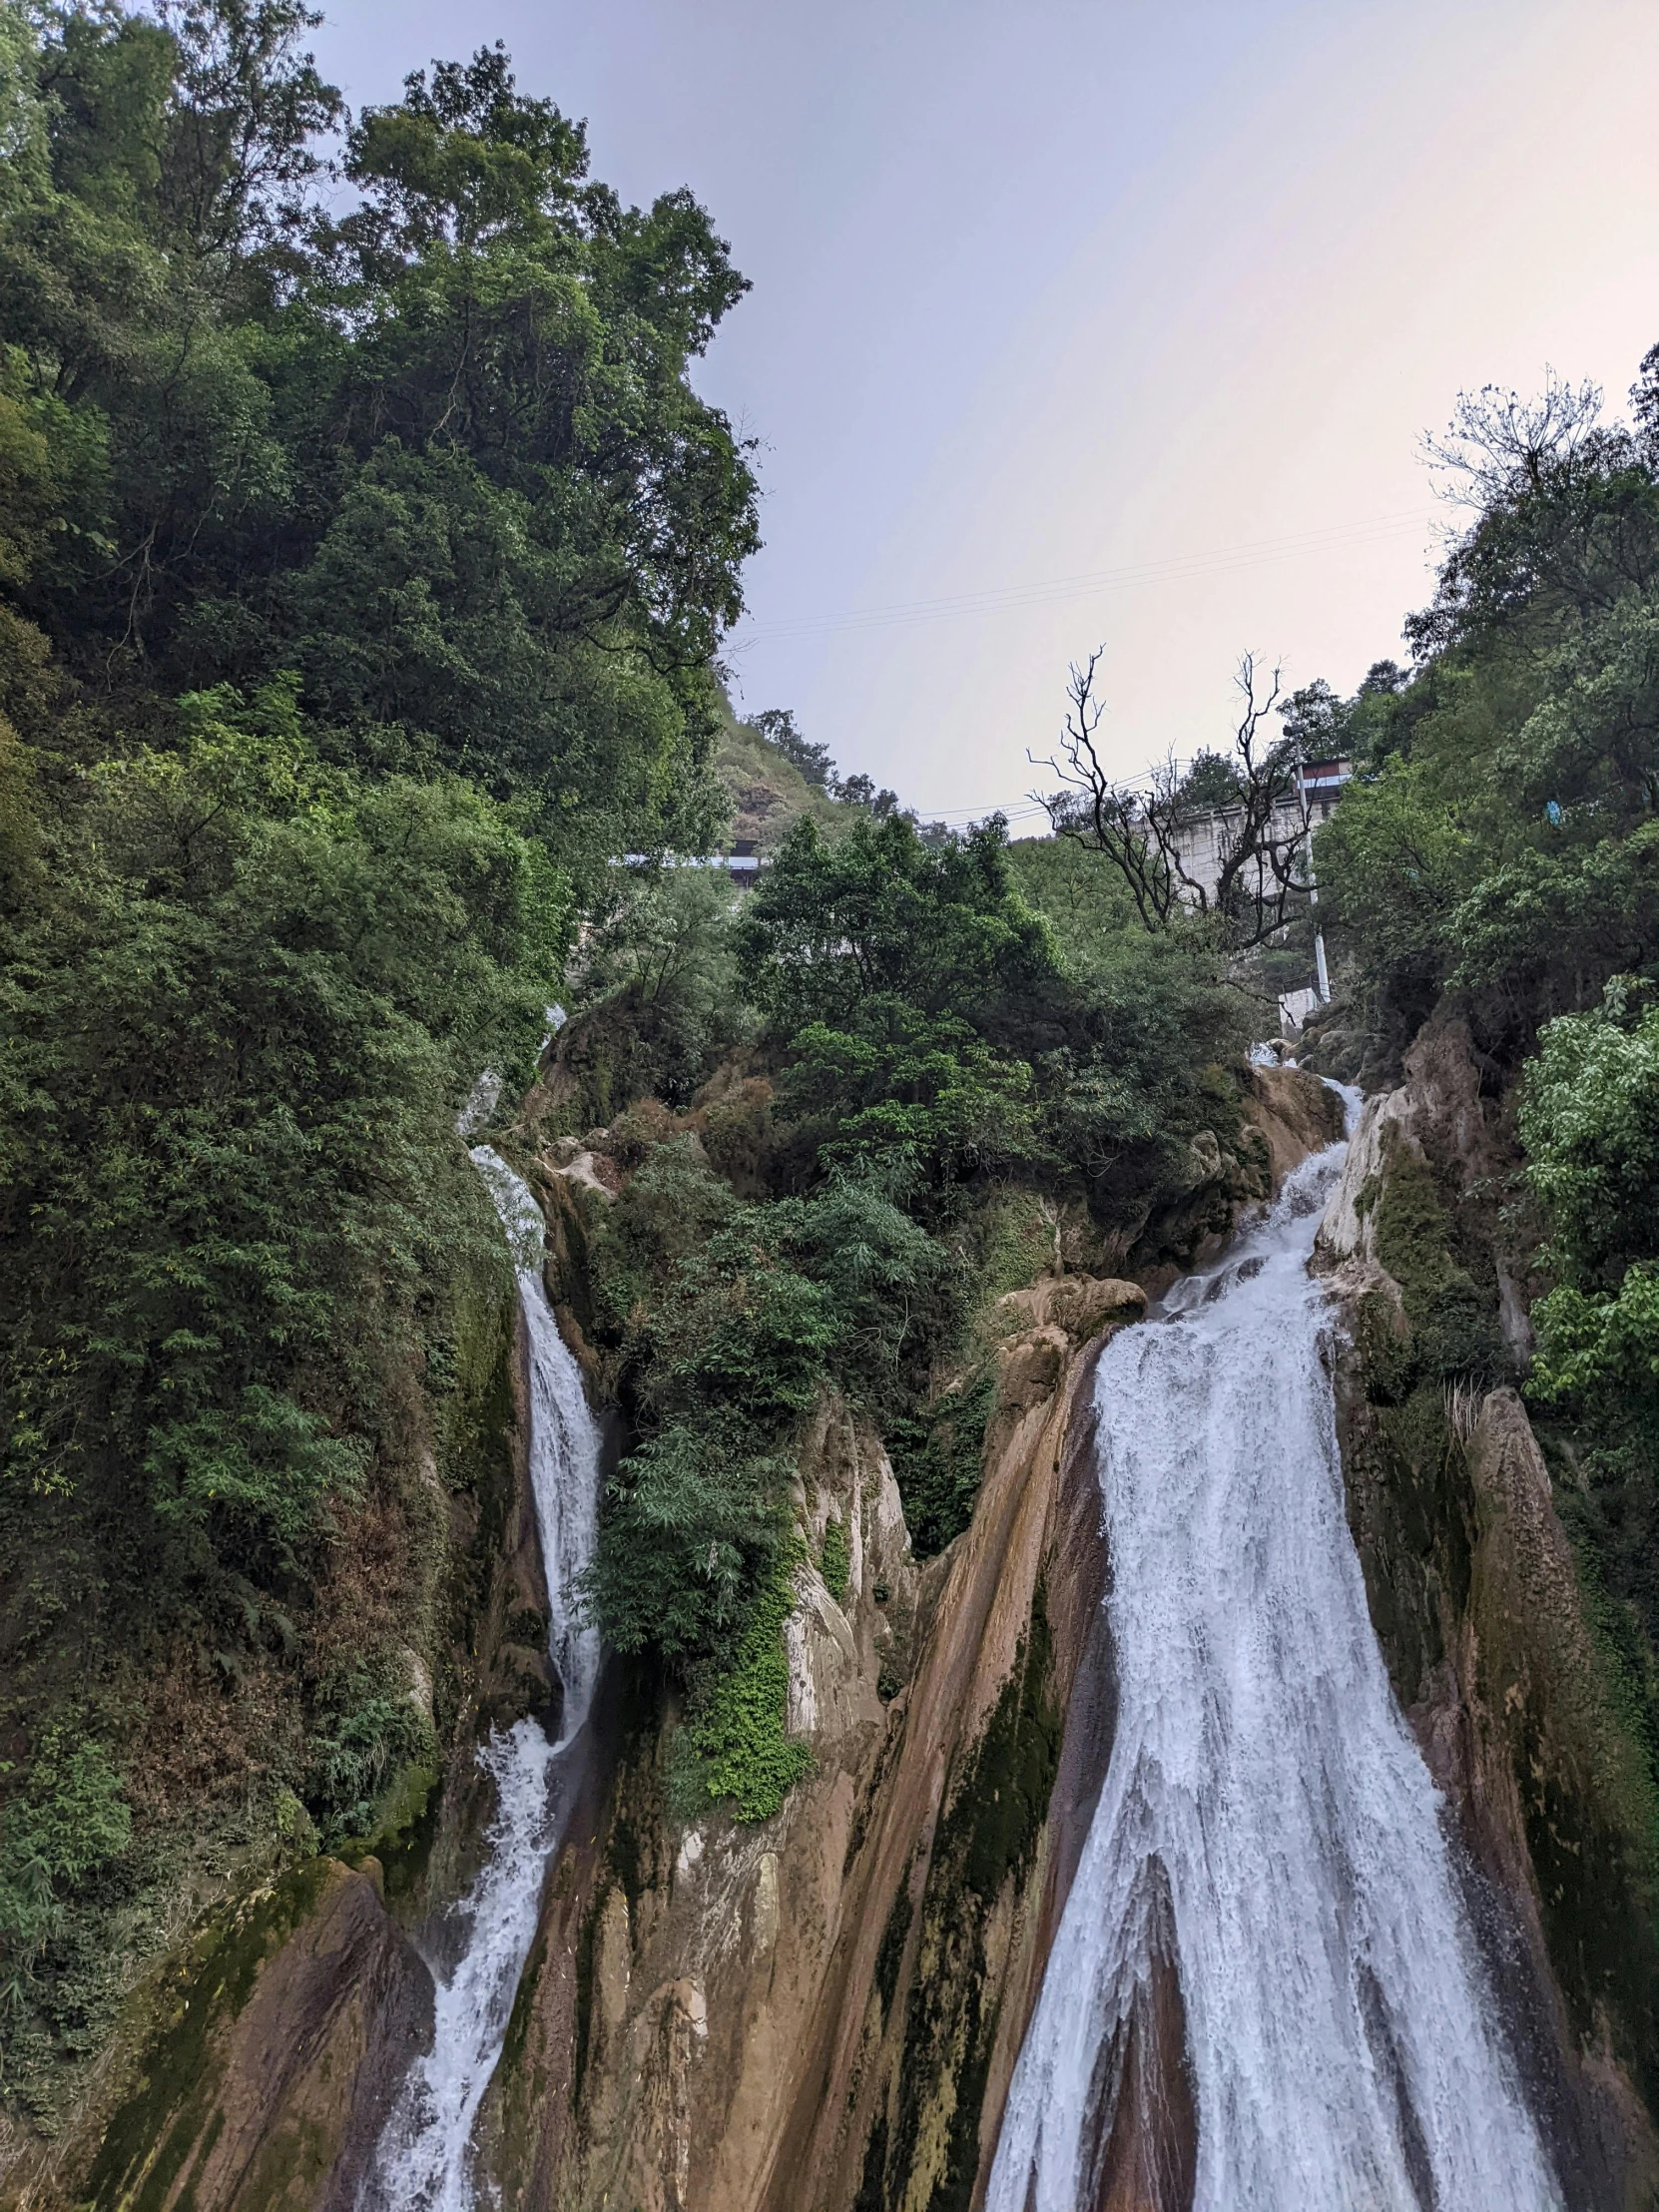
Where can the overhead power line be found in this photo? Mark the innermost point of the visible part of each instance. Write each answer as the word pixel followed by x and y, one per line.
pixel 954 817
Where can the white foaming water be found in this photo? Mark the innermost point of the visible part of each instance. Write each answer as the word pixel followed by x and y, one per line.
pixel 1265 1803
pixel 425 2160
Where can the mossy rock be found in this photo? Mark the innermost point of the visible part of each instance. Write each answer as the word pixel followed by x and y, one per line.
pixel 924 2147
pixel 1452 1323
pixel 262 2049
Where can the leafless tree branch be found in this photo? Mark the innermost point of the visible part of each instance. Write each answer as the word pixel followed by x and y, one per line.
pixel 1157 834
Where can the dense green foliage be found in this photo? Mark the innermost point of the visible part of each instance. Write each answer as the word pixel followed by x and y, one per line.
pixel 237 1026
pixel 1500 839
pixel 1590 1121
pixel 440 456
pixel 739 1732
pixel 658 956
pixel 1496 859
pixel 937 1457
pixel 734 1332
pixel 934 1014
pixel 947 1069
pixel 68 1821
pixel 363 555
pixel 732 1319
pixel 882 914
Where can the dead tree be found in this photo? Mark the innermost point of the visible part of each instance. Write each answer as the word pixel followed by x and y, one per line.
pixel 1149 830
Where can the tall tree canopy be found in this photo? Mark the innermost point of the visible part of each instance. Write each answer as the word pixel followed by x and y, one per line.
pixel 363 560
pixel 439 454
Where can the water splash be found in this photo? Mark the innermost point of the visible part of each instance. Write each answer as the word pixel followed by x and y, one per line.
pixel 1265 1803
pixel 425 2156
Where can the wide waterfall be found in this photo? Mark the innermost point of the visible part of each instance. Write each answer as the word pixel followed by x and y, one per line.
pixel 425 2159
pixel 1266 1819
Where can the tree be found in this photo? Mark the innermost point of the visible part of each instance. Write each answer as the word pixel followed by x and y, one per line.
pixel 245 110
pixel 1566 516
pixel 1315 721
pixel 442 454
pixel 1151 831
pixel 861 791
pixel 1498 446
pixel 1211 784
pixel 878 913
pixel 778 726
pixel 233 1035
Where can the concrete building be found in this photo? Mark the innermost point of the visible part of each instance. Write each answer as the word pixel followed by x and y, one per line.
pixel 1207 842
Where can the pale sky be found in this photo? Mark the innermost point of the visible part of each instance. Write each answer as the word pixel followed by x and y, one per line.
pixel 1112 323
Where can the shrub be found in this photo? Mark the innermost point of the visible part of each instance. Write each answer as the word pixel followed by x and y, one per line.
pixel 923 1088
pixel 836 1559
pixel 693 1524
pixel 734 1342
pixel 880 914
pixel 69 1817
pixel 1590 1119
pixel 666 1212
pixel 938 1460
pixel 741 1729
pixel 659 996
pixel 357 1752
pixel 231 1052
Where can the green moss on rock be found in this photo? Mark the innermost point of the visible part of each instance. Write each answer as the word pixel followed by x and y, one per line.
pixel 167 2124
pixel 1453 1329
pixel 986 1843
pixel 836 1559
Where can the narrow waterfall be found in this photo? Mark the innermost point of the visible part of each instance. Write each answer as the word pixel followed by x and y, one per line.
pixel 1265 1818
pixel 425 2159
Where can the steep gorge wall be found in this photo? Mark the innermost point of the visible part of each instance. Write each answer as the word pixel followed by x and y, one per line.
pixel 1476 1601
pixel 807 2012
pixel 818 2011
pixel 823 2012
pixel 252 2066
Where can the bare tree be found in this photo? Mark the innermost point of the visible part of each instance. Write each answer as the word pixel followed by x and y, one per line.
pixel 1500 446
pixel 1152 832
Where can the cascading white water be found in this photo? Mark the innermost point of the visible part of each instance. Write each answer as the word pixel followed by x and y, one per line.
pixel 1264 1802
pixel 424 2158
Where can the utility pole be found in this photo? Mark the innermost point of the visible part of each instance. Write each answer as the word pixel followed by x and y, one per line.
pixel 1322 973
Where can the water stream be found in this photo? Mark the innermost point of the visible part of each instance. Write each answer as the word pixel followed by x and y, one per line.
pixel 1265 1807
pixel 425 2159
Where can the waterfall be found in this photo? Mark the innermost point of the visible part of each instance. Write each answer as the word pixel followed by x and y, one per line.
pixel 1266 1814
pixel 424 2158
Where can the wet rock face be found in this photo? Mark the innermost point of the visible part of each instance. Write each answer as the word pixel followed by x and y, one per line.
pixel 1295 1114
pixel 1475 1600
pixel 815 2014
pixel 824 2013
pixel 702 1950
pixel 274 2049
pixel 786 2015
pixel 1283 1115
pixel 1047 1323
pixel 1146 2158
pixel 1076 1307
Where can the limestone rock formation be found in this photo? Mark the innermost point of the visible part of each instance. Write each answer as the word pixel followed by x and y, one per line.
pixel 1474 1596
pixel 275 2045
pixel 813 2013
